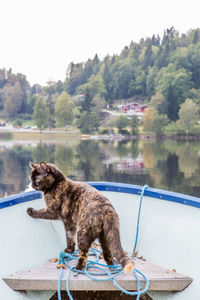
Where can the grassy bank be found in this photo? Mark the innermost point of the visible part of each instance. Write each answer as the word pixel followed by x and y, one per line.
pixel 21 135
pixel 63 135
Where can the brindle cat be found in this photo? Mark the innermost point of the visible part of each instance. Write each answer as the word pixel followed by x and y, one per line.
pixel 82 208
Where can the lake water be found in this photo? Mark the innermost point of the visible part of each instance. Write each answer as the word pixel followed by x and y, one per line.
pixel 169 165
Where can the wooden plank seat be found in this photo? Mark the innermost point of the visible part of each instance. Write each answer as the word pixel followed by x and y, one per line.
pixel 45 277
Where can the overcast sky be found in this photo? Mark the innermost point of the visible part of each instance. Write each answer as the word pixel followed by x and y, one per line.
pixel 39 38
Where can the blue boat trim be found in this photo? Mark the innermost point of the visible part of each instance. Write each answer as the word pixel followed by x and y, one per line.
pixel 111 187
pixel 150 192
pixel 19 198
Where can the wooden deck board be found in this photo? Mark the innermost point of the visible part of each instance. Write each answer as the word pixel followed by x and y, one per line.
pixel 44 277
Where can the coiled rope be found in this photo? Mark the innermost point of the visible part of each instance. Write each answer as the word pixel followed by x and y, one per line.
pixel 111 272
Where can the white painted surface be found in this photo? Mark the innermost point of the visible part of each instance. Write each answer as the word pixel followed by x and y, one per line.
pixel 168 237
pixel 25 242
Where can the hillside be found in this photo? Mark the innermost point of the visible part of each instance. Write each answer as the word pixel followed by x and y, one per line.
pixel 168 66
pixel 163 71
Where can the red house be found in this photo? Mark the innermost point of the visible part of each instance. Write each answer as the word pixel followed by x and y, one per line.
pixel 133 106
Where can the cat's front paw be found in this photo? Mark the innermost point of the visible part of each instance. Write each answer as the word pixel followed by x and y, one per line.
pixel 30 211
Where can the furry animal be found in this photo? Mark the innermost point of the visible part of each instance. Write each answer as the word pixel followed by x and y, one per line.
pixel 84 211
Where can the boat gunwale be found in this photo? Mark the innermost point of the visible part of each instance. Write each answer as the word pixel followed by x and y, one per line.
pixel 111 187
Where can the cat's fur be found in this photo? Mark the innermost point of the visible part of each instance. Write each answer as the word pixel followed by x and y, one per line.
pixel 84 211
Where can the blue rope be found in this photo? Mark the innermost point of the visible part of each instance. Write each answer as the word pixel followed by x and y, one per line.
pixel 103 269
pixel 138 219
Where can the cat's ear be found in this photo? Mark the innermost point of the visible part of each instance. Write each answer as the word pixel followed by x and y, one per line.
pixel 44 166
pixel 32 165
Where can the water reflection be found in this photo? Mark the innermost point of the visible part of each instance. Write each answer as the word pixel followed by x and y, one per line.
pixel 170 165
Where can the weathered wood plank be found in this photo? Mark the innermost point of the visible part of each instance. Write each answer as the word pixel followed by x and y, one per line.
pixel 45 277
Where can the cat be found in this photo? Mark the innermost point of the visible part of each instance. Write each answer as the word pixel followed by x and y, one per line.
pixel 85 212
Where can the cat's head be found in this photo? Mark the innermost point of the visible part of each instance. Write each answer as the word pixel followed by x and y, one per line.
pixel 44 176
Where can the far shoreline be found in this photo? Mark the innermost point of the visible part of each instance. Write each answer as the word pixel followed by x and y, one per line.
pixel 64 135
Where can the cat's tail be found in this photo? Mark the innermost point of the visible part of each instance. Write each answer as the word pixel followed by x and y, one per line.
pixel 112 237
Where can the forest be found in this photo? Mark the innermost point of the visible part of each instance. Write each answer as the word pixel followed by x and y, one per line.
pixel 161 71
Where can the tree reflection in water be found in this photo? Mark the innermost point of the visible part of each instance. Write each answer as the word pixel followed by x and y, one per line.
pixel 170 165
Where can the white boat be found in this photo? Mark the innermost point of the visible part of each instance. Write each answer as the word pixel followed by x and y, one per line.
pixel 168 236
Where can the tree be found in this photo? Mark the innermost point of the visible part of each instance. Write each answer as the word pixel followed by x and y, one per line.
pixel 174 85
pixel 95 85
pixel 87 103
pixel 30 104
pixel 150 81
pixel 2 78
pixel 157 100
pixel 195 96
pixel 13 99
pixel 121 79
pixel 76 116
pixel 75 73
pixel 99 104
pixel 41 113
pixel 188 115
pixel 63 110
pixel 196 36
pixel 88 122
pixel 160 121
pixel 14 93
pixel 194 59
pixel 51 97
pixel 121 123
pixel 59 86
pixel 148 119
pixel 134 124
pixel 137 86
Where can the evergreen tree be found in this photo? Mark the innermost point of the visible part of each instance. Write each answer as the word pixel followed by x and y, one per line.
pixel 2 78
pixel 87 103
pixel 88 122
pixel 196 36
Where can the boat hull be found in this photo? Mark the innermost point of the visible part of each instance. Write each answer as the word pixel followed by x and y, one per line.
pixel 167 236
